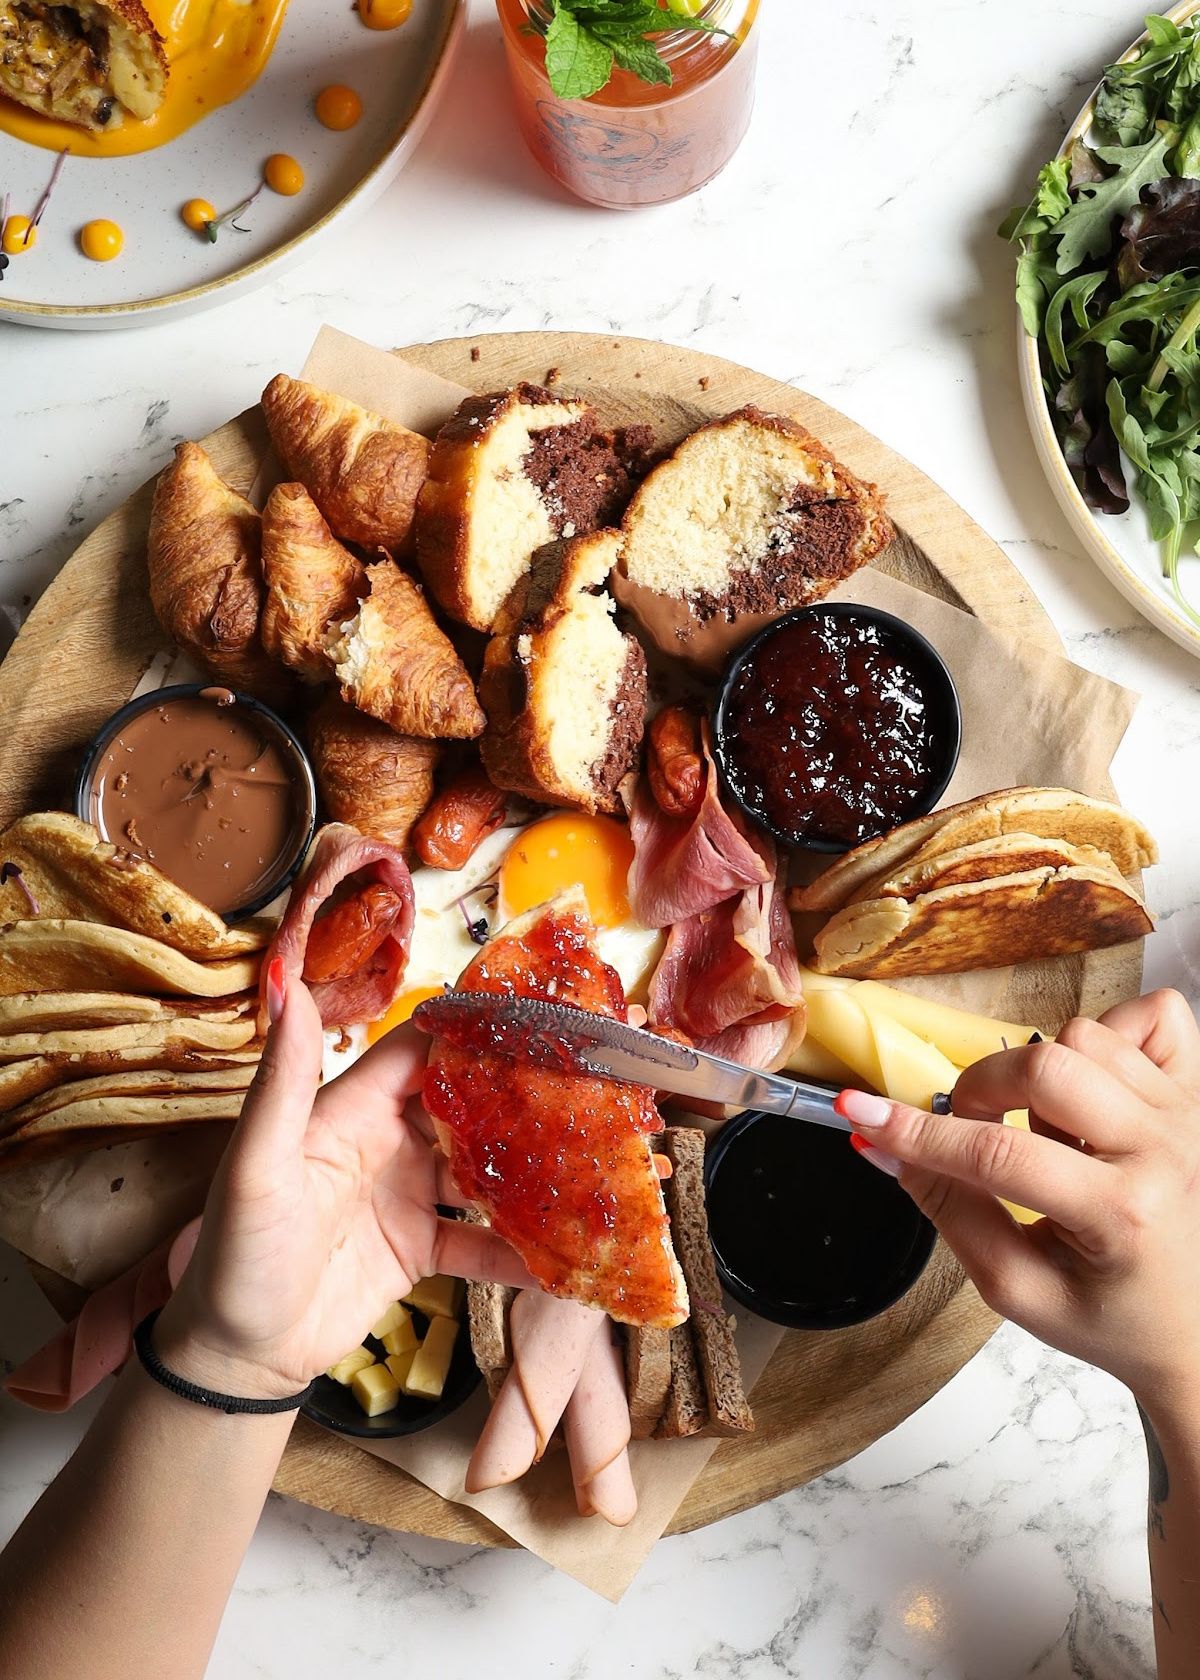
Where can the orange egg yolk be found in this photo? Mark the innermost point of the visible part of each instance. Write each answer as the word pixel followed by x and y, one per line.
pixel 197 213
pixel 19 235
pixel 338 107
pixel 384 14
pixel 101 240
pixel 565 850
pixel 283 174
pixel 400 1011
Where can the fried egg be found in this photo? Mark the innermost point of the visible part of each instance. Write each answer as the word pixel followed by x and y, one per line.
pixel 513 871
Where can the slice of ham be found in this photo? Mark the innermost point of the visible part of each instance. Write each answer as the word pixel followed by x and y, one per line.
pixel 342 858
pixel 551 1340
pixel 100 1340
pixel 729 979
pixel 596 1429
pixel 683 866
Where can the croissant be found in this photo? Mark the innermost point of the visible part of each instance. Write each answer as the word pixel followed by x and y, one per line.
pixel 363 472
pixel 311 581
pixel 370 777
pixel 394 662
pixel 206 575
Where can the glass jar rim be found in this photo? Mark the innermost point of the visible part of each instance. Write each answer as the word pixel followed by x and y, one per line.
pixel 673 37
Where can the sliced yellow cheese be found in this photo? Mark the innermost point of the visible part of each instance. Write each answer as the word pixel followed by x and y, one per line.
pixel 812 982
pixel 910 1069
pixel 400 1364
pixel 375 1389
pixel 812 1061
pixel 437 1296
pixel 428 1371
pixel 393 1316
pixel 1025 1216
pixel 960 1036
pixel 837 1022
pixel 356 1360
pixel 404 1338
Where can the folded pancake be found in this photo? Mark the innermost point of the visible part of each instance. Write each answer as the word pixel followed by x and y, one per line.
pixel 347 927
pixel 1046 813
pixel 70 873
pixel 561 1163
pixel 55 954
pixel 88 62
pixel 311 581
pixel 985 924
pixel 82 1123
pixel 188 1032
pixel 48 1012
pixel 983 860
pixel 21 1081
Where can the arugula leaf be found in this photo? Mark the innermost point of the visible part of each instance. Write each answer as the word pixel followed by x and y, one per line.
pixel 1078 293
pixel 577 62
pixel 1086 229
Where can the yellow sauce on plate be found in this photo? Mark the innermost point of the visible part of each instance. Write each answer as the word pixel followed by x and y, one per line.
pixel 216 49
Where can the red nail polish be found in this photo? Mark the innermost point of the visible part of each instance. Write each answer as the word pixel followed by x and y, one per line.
pixel 276 989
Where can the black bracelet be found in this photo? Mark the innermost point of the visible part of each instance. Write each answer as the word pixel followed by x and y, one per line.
pixel 154 1367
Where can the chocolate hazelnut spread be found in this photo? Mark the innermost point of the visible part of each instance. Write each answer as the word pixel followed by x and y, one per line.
pixel 207 791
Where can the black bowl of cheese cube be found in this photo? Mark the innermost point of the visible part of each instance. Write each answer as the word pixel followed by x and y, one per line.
pixel 412 1370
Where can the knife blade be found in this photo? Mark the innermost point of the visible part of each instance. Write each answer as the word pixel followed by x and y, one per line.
pixel 569 1040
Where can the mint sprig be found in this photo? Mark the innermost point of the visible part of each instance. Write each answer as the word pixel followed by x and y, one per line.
pixel 585 39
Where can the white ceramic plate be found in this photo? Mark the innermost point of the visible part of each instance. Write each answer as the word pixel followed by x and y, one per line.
pixel 166 269
pixel 1120 544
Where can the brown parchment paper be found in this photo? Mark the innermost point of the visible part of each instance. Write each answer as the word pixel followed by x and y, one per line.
pixel 1028 716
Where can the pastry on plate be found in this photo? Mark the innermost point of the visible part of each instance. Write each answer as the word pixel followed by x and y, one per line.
pixel 311 581
pixel 747 518
pixel 362 471
pixel 370 777
pixel 393 661
pixel 206 587
pixel 509 472
pixel 564 689
pixel 88 62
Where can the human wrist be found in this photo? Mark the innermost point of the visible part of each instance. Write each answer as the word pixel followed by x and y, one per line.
pixel 193 1351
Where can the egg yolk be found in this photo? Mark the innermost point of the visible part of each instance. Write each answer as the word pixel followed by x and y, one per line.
pixel 384 14
pixel 19 235
pixel 565 850
pixel 197 213
pixel 283 174
pixel 101 240
pixel 338 107
pixel 400 1011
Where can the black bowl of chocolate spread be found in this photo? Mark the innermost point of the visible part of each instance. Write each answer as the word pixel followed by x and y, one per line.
pixel 835 724
pixel 208 785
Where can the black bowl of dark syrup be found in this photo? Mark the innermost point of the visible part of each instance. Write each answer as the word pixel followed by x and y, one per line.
pixel 805 1232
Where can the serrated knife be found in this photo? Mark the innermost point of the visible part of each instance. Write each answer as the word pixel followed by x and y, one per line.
pixel 570 1040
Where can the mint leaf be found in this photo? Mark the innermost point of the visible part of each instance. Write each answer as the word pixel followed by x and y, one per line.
pixel 634 52
pixel 1086 229
pixel 578 63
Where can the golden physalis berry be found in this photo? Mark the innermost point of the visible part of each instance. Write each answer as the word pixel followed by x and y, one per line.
pixel 101 240
pixel 384 14
pixel 338 107
pixel 19 235
pixel 197 213
pixel 283 174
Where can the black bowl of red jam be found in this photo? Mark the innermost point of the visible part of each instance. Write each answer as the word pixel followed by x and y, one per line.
pixel 804 1231
pixel 835 724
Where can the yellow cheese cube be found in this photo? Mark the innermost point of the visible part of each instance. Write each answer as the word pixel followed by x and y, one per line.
pixel 357 1360
pixel 402 1339
pixel 911 1069
pixel 437 1297
pixel 427 1374
pixel 375 1389
pixel 394 1316
pixel 399 1364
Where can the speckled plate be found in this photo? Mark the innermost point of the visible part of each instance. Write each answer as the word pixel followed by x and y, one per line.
pixel 1120 544
pixel 166 269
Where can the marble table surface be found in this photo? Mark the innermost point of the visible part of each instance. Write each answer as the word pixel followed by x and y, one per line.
pixel 849 248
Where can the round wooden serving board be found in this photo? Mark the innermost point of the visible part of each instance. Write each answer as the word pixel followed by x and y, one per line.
pixel 824 1397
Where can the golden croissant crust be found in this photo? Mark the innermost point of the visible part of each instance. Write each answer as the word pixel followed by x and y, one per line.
pixel 312 581
pixel 394 662
pixel 363 472
pixel 370 777
pixel 206 582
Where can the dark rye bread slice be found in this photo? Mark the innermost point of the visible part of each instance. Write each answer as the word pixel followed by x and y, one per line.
pixel 749 516
pixel 648 1376
pixel 510 472
pixel 487 1321
pixel 727 1409
pixel 564 688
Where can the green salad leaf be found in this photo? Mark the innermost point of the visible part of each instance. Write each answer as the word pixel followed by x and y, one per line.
pixel 1108 282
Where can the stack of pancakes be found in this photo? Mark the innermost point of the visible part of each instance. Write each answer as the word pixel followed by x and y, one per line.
pixel 1009 877
pixel 125 1005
